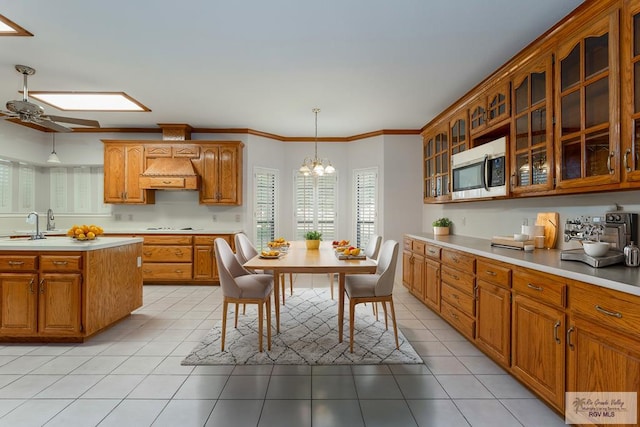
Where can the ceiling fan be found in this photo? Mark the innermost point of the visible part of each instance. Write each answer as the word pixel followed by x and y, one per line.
pixel 29 112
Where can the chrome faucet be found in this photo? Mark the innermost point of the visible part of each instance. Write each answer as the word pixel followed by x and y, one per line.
pixel 38 234
pixel 50 224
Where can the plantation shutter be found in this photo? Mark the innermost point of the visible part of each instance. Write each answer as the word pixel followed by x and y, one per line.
pixel 58 189
pixel 315 201
pixel 366 204
pixel 5 186
pixel 265 206
pixel 27 193
pixel 82 190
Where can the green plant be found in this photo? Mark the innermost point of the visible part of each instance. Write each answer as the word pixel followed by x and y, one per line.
pixel 313 235
pixel 442 222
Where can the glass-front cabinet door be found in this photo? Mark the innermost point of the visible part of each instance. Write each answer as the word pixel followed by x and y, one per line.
pixel 436 166
pixel 478 115
pixel 459 134
pixel 498 103
pixel 630 140
pixel 531 127
pixel 587 106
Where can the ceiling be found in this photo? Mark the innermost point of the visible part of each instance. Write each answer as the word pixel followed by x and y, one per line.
pixel 367 64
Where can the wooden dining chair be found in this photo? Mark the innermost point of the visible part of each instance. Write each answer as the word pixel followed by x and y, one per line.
pixel 374 288
pixel 239 286
pixel 245 251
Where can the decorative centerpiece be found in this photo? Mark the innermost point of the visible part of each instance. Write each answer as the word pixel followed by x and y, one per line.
pixel 280 244
pixel 441 226
pixel 85 232
pixel 313 239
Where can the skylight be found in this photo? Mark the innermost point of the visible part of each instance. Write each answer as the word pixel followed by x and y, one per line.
pixel 89 101
pixel 10 28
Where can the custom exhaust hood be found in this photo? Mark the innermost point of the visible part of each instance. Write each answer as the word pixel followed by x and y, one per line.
pixel 170 173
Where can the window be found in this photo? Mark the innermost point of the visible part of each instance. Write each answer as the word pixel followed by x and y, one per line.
pixel 27 193
pixel 366 204
pixel 5 186
pixel 265 205
pixel 58 189
pixel 315 203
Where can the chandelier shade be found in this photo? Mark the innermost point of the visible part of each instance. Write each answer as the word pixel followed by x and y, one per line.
pixel 316 166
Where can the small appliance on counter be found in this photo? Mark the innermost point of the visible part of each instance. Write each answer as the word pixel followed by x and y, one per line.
pixel 616 228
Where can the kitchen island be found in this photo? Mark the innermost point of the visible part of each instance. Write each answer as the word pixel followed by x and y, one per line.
pixel 62 290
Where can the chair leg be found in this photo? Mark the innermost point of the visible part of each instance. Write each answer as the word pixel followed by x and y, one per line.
pixel 260 325
pixel 236 324
pixel 393 317
pixel 374 307
pixel 244 309
pixel 282 281
pixel 268 303
pixel 386 318
pixel 291 282
pixel 352 313
pixel 331 284
pixel 224 323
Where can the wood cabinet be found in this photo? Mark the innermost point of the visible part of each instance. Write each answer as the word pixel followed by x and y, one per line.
pixel 413 267
pixel 531 151
pixel 437 159
pixel 459 133
pixel 457 283
pixel 220 166
pixel 167 258
pixel 19 303
pixel 630 119
pixel 204 260
pixel 432 277
pixel 587 106
pixel 493 310
pixel 123 164
pixel 490 108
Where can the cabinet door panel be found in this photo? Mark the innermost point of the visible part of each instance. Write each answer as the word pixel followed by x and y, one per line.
pixel 432 284
pixel 59 303
pixel 203 262
pixel 19 297
pixel 493 321
pixel 228 170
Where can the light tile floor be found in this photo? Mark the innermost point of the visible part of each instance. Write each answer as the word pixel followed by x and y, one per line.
pixel 130 375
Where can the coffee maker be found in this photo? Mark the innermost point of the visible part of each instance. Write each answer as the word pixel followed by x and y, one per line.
pixel 617 228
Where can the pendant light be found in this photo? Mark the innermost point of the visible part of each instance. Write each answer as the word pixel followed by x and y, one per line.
pixel 316 166
pixel 53 157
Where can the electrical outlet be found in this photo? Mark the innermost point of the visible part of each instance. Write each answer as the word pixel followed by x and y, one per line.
pixel 237 217
pixel 130 217
pixel 464 221
pixel 215 218
pixel 117 217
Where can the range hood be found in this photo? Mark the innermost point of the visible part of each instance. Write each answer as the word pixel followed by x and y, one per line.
pixel 169 173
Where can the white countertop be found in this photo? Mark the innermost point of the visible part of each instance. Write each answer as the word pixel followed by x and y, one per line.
pixel 21 233
pixel 618 277
pixel 65 244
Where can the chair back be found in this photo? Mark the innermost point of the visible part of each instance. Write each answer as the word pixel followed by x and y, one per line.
pixel 373 247
pixel 387 268
pixel 228 268
pixel 244 248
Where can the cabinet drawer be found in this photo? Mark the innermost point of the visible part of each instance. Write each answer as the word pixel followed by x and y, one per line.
pixel 493 273
pixel 418 247
pixel 458 260
pixel 465 324
pixel 169 253
pixel 543 287
pixel 186 150
pixel 459 300
pixel 157 150
pixel 605 306
pixel 166 271
pixel 457 279
pixel 408 244
pixel 167 240
pixel 161 182
pixel 18 262
pixel 61 262
pixel 432 251
pixel 208 240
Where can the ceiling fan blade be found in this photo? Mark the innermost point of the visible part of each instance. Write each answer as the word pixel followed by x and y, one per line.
pixel 51 125
pixel 7 115
pixel 81 122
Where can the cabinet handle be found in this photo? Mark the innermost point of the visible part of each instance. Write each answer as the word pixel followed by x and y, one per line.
pixel 431 252
pixel 475 292
pixel 609 313
pixel 179 271
pixel 611 171
pixel 626 160
pixel 179 252
pixel 571 346
pixel 31 286
pixel 437 273
pixel 454 276
pixel 16 262
pixel 60 262
pixel 146 253
pixel 455 316
pixel 490 273
pixel 166 182
pixel 555 332
pixel 455 296
pixel 146 271
pixel 534 287
pixel 456 260
pixel 42 286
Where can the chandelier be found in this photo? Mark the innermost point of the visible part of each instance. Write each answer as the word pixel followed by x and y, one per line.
pixel 316 166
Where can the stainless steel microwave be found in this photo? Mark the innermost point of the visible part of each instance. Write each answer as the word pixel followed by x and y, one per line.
pixel 480 171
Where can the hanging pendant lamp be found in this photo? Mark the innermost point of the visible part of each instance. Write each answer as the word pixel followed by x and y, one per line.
pixel 53 157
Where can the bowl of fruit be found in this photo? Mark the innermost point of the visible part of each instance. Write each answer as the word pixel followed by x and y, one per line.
pixel 280 244
pixel 340 244
pixel 85 232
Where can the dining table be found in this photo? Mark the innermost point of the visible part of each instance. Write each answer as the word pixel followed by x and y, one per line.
pixel 324 260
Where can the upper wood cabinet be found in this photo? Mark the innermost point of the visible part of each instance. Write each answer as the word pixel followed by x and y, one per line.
pixel 531 148
pixel 123 164
pixel 630 120
pixel 437 158
pixel 490 108
pixel 459 132
pixel 220 166
pixel 588 105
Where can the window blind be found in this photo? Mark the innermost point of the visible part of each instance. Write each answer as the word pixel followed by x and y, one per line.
pixel 315 204
pixel 5 186
pixel 265 205
pixel 366 204
pixel 58 189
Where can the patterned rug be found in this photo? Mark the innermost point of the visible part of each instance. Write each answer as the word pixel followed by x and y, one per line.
pixel 308 336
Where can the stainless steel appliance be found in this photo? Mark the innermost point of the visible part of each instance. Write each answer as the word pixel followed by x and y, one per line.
pixel 480 171
pixel 617 228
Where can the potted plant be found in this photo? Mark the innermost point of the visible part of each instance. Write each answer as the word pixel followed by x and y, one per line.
pixel 313 239
pixel 441 226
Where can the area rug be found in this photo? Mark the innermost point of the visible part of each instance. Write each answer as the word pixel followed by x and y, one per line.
pixel 308 336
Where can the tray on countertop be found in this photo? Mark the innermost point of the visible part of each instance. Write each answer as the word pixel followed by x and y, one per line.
pixel 343 256
pixel 509 242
